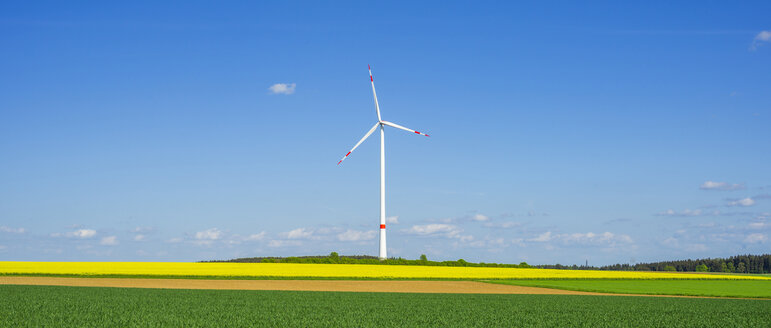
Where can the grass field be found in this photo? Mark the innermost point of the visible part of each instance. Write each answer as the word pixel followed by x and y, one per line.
pixel 717 288
pixel 321 271
pixel 34 306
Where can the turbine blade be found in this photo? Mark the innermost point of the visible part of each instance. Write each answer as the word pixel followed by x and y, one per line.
pixel 403 128
pixel 374 94
pixel 360 141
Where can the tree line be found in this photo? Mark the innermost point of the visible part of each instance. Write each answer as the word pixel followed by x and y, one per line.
pixel 334 258
pixel 735 264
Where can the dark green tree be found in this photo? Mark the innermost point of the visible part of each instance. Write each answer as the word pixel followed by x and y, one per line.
pixel 334 257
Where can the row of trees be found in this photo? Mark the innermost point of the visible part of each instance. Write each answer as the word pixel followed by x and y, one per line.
pixel 334 258
pixel 736 264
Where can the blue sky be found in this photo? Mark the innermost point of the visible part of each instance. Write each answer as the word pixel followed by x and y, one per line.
pixel 561 132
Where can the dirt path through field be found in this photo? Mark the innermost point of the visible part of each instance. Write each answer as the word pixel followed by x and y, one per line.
pixel 378 286
pixel 411 286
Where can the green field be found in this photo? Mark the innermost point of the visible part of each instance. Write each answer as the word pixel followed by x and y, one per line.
pixel 717 288
pixel 35 306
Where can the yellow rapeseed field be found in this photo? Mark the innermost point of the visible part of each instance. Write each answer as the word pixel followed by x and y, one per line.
pixel 289 270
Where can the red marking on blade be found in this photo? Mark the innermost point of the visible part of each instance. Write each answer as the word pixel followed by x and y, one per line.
pixel 368 66
pixel 417 132
pixel 371 79
pixel 382 226
pixel 338 163
pixel 426 135
pixel 346 155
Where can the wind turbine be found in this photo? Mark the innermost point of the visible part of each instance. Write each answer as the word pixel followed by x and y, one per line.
pixel 382 255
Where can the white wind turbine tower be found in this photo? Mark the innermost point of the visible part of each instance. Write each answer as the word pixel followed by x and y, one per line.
pixel 382 255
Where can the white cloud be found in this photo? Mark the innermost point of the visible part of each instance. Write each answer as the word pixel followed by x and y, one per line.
pixel 763 36
pixel 80 233
pixel 759 225
pixel 755 238
pixel 500 242
pixel 174 240
pixel 209 234
pixel 504 225
pixel 109 241
pixel 669 212
pixel 742 202
pixel 284 243
pixel 466 238
pixel 11 230
pixel 712 185
pixel 392 219
pixel 257 236
pixel 589 238
pixel 207 237
pixel 355 235
pixel 433 229
pixel 493 244
pixel 671 242
pixel 699 212
pixel 325 231
pixel 688 212
pixel 282 88
pixel 139 237
pixel 439 230
pixel 233 241
pixel 544 237
pixel 299 233
pixel 594 238
pixel 480 217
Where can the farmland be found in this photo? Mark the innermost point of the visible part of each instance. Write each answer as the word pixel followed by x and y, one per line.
pixel 344 295
pixel 326 285
pixel 716 288
pixel 28 306
pixel 326 271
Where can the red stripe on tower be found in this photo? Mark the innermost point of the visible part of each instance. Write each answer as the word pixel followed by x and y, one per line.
pixel 382 226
